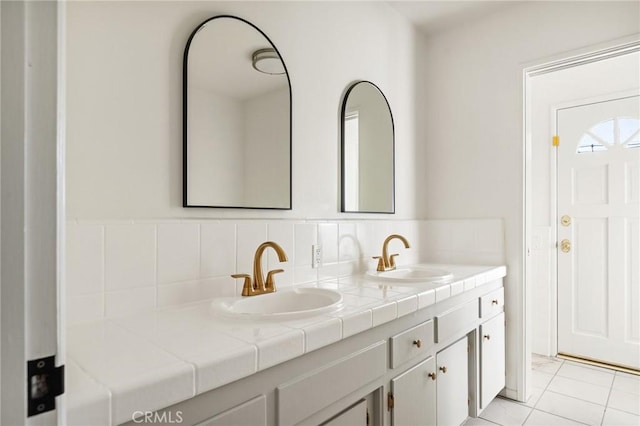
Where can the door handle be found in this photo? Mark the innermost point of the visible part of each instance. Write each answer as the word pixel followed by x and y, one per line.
pixel 565 246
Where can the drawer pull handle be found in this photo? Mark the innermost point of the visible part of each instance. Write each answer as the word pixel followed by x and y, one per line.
pixel 418 343
pixel 443 369
pixel 487 336
pixel 432 375
pixel 494 302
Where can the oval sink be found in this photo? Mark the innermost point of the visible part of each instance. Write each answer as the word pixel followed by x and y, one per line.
pixel 283 304
pixel 413 274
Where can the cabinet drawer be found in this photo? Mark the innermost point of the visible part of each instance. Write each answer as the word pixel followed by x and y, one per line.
pixel 492 303
pixel 304 396
pixel 411 343
pixel 353 416
pixel 253 412
pixel 456 321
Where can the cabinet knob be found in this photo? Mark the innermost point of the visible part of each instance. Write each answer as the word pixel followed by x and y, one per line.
pixel 443 369
pixel 432 375
pixel 487 336
pixel 417 342
pixel 494 302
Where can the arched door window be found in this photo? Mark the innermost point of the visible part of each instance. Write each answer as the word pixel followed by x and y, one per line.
pixel 622 131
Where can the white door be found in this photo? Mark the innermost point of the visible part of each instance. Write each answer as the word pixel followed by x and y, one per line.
pixel 598 231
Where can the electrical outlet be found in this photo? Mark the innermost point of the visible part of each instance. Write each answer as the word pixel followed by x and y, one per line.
pixel 316 256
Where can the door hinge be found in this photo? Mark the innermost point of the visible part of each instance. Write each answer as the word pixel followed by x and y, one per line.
pixel 390 401
pixel 45 381
pixel 555 140
pixel 368 419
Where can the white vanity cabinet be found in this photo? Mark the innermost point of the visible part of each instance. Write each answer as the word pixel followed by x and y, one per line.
pixel 435 366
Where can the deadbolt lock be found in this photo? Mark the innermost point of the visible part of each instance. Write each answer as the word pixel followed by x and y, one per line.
pixel 565 246
pixel 565 220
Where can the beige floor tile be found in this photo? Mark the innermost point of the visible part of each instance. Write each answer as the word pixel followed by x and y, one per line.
pixel 599 377
pixel 540 418
pixel 505 412
pixel 580 390
pixel 619 418
pixel 625 401
pixel 571 408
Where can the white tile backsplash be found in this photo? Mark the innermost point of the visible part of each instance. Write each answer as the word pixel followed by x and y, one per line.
pixel 217 249
pixel 85 251
pixel 249 236
pixel 130 256
pixel 178 252
pixel 121 268
pixel 281 233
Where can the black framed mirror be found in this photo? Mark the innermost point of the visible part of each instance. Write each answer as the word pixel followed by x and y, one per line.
pixel 367 151
pixel 236 118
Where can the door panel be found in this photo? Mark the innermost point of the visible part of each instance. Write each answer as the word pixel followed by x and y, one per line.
pixel 598 187
pixel 452 384
pixel 590 278
pixel 492 359
pixel 414 394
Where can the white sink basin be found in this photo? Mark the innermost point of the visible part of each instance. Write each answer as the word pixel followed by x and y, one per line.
pixel 283 304
pixel 413 274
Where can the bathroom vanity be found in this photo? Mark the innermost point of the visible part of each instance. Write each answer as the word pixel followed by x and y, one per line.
pixel 395 354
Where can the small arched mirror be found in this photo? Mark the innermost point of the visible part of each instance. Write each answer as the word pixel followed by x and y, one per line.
pixel 367 140
pixel 236 118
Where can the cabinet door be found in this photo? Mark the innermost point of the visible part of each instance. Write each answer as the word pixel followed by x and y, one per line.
pixel 492 365
pixel 356 415
pixel 414 395
pixel 452 384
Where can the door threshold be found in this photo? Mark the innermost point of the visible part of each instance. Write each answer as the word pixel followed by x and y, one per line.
pixel 597 363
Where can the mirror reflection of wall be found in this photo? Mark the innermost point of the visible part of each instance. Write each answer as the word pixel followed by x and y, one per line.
pixel 367 151
pixel 237 134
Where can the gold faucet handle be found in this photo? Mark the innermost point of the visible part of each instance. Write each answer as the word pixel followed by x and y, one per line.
pixel 392 261
pixel 271 284
pixel 247 288
pixel 380 267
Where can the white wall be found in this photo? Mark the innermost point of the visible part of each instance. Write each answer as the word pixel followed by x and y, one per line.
pixel 586 83
pixel 473 140
pixel 125 100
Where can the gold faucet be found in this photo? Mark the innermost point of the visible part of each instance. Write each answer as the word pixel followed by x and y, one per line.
pixel 386 262
pixel 258 284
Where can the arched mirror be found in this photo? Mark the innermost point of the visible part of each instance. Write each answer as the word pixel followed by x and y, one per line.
pixel 367 150
pixel 236 118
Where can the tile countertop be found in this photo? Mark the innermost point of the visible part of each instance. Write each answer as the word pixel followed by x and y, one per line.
pixel 155 359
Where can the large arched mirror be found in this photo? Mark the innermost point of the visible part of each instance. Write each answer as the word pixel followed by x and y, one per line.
pixel 236 118
pixel 367 150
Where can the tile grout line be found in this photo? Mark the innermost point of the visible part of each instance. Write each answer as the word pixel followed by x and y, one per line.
pixel 606 406
pixel 542 393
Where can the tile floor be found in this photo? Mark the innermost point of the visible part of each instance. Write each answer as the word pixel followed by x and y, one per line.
pixel 569 393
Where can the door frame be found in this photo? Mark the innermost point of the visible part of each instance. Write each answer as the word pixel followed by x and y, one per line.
pixel 559 62
pixel 33 200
